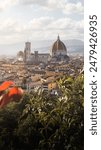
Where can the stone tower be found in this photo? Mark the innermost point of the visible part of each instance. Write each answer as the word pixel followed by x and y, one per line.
pixel 27 51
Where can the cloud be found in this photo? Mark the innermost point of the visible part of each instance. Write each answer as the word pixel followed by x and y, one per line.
pixel 4 4
pixel 73 8
pixel 40 23
pixel 44 25
pixel 65 6
pixel 33 2
pixel 10 26
pixel 43 28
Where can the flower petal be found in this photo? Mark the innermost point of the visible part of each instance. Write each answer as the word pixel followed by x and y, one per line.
pixel 5 85
pixel 14 94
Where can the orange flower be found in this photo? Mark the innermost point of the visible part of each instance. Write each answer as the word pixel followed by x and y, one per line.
pixel 5 85
pixel 13 94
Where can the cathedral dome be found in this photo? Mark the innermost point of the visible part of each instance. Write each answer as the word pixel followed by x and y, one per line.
pixel 20 54
pixel 59 47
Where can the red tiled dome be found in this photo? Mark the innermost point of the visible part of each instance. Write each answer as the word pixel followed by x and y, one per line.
pixel 58 46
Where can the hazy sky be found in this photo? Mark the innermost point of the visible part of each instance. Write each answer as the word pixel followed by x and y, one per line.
pixel 22 20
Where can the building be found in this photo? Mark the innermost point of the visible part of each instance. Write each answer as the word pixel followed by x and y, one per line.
pixel 20 55
pixel 27 52
pixel 58 48
pixel 58 53
pixel 34 58
pixel 38 58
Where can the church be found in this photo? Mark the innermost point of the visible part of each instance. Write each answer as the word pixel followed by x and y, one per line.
pixel 57 54
pixel 59 51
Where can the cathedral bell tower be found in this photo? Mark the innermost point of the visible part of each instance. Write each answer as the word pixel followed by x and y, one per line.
pixel 27 51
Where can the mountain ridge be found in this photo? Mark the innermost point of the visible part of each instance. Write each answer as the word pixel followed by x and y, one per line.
pixel 43 46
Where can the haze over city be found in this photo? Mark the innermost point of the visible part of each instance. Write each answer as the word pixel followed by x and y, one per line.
pixel 38 20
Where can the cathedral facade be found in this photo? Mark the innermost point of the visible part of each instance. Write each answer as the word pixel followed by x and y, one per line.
pixel 57 53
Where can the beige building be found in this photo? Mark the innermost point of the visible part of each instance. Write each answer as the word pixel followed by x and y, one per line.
pixel 40 57
pixel 58 53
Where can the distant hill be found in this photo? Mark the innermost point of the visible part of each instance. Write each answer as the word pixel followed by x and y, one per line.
pixel 73 47
pixel 74 42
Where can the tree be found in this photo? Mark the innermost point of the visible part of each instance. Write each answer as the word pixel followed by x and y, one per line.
pixel 45 122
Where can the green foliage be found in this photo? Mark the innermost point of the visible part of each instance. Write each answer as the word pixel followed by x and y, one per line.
pixel 45 122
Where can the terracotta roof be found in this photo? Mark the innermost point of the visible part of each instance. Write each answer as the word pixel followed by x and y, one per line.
pixel 58 45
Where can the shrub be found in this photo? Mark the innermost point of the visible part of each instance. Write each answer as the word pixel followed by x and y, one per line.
pixel 44 122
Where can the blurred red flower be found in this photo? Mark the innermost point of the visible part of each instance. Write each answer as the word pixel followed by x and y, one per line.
pixel 5 85
pixel 13 94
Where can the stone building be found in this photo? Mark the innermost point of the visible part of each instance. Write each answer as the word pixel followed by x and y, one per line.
pixel 58 53
pixel 27 52
pixel 20 55
pixel 40 57
pixel 58 48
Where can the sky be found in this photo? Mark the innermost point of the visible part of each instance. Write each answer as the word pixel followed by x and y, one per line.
pixel 33 20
